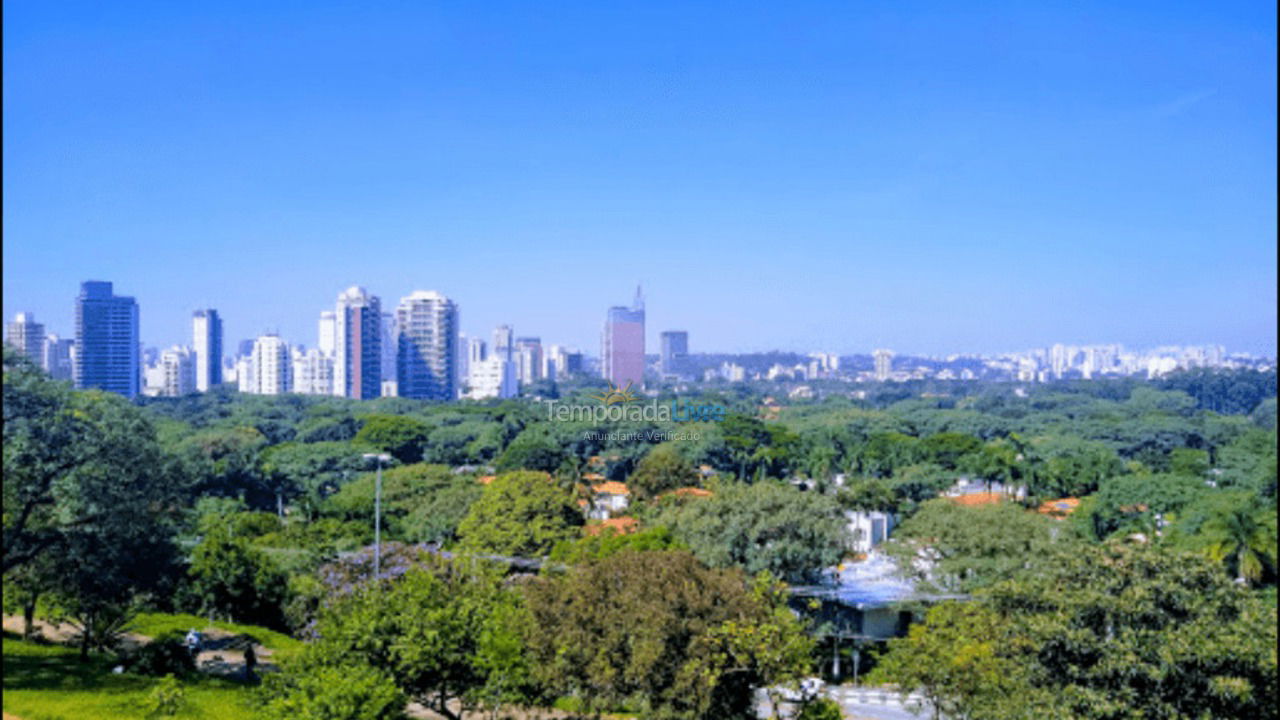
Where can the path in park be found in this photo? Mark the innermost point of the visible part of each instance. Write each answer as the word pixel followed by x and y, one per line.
pixel 222 653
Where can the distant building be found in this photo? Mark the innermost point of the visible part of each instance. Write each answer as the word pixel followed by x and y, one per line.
pixel 868 529
pixel 390 349
pixel 57 357
pixel 884 364
pixel 562 362
pixel 26 336
pixel 312 372
pixel 179 371
pixel 528 359
pixel 427 356
pixel 108 353
pixel 206 342
pixel 357 371
pixel 503 342
pixel 622 344
pixel 673 361
pixel 494 377
pixel 328 333
pixel 270 370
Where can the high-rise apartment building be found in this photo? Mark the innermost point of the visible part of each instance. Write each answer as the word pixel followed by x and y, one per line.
pixel 107 351
pixel 312 372
pixel 427 357
pixel 57 357
pixel 884 364
pixel 503 342
pixel 390 350
pixel 206 342
pixel 528 359
pixel 673 360
pixel 493 377
pixel 27 336
pixel 622 344
pixel 357 369
pixel 270 367
pixel 328 333
pixel 179 372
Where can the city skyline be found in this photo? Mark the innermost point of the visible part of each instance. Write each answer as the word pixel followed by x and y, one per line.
pixel 932 180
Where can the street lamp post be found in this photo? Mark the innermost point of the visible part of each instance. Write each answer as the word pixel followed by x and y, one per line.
pixel 377 512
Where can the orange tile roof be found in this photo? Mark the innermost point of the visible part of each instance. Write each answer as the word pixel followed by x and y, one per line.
pixel 1060 507
pixel 620 525
pixel 984 498
pixel 485 479
pixel 611 487
pixel 593 476
pixel 690 492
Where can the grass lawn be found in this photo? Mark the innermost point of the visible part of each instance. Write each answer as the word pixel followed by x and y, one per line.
pixel 154 624
pixel 48 682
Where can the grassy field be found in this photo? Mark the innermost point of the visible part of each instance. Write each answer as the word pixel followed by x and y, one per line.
pixel 154 624
pixel 48 682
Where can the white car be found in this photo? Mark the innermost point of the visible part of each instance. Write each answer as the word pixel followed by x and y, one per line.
pixel 809 688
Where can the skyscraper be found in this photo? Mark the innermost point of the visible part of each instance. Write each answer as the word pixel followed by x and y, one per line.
pixel 502 342
pixel 328 337
pixel 884 364
pixel 622 344
pixel 675 351
pixel 107 351
pixel 357 369
pixel 390 350
pixel 427 358
pixel 206 341
pixel 27 336
pixel 57 357
pixel 528 359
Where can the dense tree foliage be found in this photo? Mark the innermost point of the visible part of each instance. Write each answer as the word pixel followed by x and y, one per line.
pixel 660 633
pixel 520 513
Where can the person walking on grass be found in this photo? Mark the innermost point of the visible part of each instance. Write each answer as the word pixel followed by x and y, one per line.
pixel 250 661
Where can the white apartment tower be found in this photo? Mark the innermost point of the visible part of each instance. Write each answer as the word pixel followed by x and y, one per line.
pixel 427 348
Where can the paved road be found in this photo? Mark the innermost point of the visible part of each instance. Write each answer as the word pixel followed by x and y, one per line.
pixel 862 703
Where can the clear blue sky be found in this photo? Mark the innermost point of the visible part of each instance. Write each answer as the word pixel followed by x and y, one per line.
pixel 930 177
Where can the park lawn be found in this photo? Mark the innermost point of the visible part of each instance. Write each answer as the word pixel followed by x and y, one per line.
pixel 155 624
pixel 48 682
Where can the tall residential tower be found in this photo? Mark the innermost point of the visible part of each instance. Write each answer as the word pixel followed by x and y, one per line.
pixel 206 341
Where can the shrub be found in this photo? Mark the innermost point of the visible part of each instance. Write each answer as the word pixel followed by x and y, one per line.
pixel 165 655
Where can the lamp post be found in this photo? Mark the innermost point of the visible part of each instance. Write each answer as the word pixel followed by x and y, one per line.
pixel 377 512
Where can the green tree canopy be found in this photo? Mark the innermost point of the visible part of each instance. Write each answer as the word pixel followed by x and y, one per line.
pixel 520 513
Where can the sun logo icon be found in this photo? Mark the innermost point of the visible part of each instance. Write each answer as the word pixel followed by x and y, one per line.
pixel 616 395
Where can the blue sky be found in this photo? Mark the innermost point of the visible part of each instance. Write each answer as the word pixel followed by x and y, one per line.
pixel 930 177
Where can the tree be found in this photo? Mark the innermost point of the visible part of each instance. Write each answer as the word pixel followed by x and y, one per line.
pixel 661 469
pixel 765 526
pixel 663 635
pixel 403 437
pixel 79 467
pixel 970 546
pixel 533 449
pixel 1133 630
pixel 1242 537
pixel 353 691
pixel 522 514
pixel 420 502
pixel 231 578
pixel 953 659
pixel 442 632
pixel 309 472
